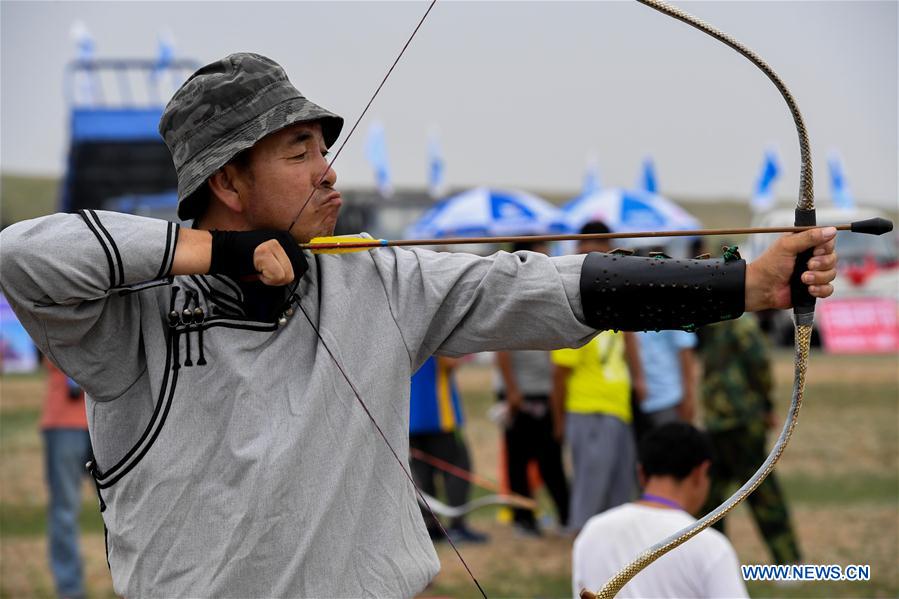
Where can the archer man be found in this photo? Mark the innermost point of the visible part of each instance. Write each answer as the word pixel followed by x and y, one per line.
pixel 233 456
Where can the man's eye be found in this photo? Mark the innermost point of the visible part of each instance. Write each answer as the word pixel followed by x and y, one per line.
pixel 299 156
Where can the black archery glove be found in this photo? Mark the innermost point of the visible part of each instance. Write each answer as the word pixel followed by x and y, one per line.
pixel 232 252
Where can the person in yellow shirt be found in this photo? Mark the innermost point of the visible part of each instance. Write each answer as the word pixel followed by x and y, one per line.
pixel 591 401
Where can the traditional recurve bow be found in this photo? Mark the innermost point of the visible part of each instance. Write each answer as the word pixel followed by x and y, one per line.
pixel 803 311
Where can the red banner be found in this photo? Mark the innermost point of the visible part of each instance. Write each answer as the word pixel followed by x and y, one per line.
pixel 859 326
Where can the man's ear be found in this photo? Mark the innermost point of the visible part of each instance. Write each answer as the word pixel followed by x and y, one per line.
pixel 641 476
pixel 701 471
pixel 225 187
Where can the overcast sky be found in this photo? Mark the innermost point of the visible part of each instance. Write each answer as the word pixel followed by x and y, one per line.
pixel 521 93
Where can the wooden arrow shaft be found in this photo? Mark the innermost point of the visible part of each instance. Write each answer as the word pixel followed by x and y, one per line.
pixel 373 243
pixel 590 236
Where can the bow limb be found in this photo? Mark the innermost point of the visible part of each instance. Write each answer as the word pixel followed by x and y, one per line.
pixel 450 511
pixel 804 306
pixel 513 499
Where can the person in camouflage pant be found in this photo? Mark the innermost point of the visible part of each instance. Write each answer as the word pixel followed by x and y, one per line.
pixel 737 411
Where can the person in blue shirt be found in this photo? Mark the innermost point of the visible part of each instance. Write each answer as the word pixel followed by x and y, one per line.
pixel 435 430
pixel 669 366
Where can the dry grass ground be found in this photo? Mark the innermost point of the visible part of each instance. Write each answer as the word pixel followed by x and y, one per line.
pixel 841 474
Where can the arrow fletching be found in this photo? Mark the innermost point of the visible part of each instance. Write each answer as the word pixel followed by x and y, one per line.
pixel 342 244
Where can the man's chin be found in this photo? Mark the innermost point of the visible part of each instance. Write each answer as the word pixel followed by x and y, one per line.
pixel 306 237
pixel 328 226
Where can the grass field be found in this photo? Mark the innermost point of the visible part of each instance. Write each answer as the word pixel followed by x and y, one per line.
pixel 26 197
pixel 841 474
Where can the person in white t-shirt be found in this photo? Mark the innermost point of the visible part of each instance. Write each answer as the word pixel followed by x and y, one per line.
pixel 673 468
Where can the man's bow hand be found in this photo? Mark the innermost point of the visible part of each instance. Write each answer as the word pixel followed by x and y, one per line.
pixel 768 277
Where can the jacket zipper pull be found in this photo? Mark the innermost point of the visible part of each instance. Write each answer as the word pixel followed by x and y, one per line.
pixel 198 320
pixel 187 317
pixel 92 469
pixel 287 309
pixel 173 317
pixel 174 320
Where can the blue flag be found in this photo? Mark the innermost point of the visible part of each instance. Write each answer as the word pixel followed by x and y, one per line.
pixel 763 198
pixel 591 178
pixel 435 167
pixel 376 152
pixel 84 42
pixel 165 54
pixel 86 85
pixel 842 198
pixel 648 176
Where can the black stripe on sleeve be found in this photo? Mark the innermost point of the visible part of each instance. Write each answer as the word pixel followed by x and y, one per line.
pixel 112 244
pixel 169 256
pixel 103 245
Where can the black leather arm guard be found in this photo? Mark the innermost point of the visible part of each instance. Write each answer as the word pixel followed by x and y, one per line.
pixel 630 293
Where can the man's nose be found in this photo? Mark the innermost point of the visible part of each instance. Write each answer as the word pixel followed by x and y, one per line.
pixel 329 179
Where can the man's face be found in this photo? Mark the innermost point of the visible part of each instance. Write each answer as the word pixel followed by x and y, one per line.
pixel 287 168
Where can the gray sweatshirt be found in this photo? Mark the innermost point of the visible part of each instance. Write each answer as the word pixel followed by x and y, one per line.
pixel 233 458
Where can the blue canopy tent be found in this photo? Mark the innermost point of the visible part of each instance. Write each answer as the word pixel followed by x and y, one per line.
pixel 486 211
pixel 629 210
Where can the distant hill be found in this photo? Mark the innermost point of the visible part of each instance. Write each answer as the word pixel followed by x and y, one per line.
pixel 26 197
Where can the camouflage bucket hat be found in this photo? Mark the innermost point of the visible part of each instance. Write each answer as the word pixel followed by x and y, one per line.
pixel 226 107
